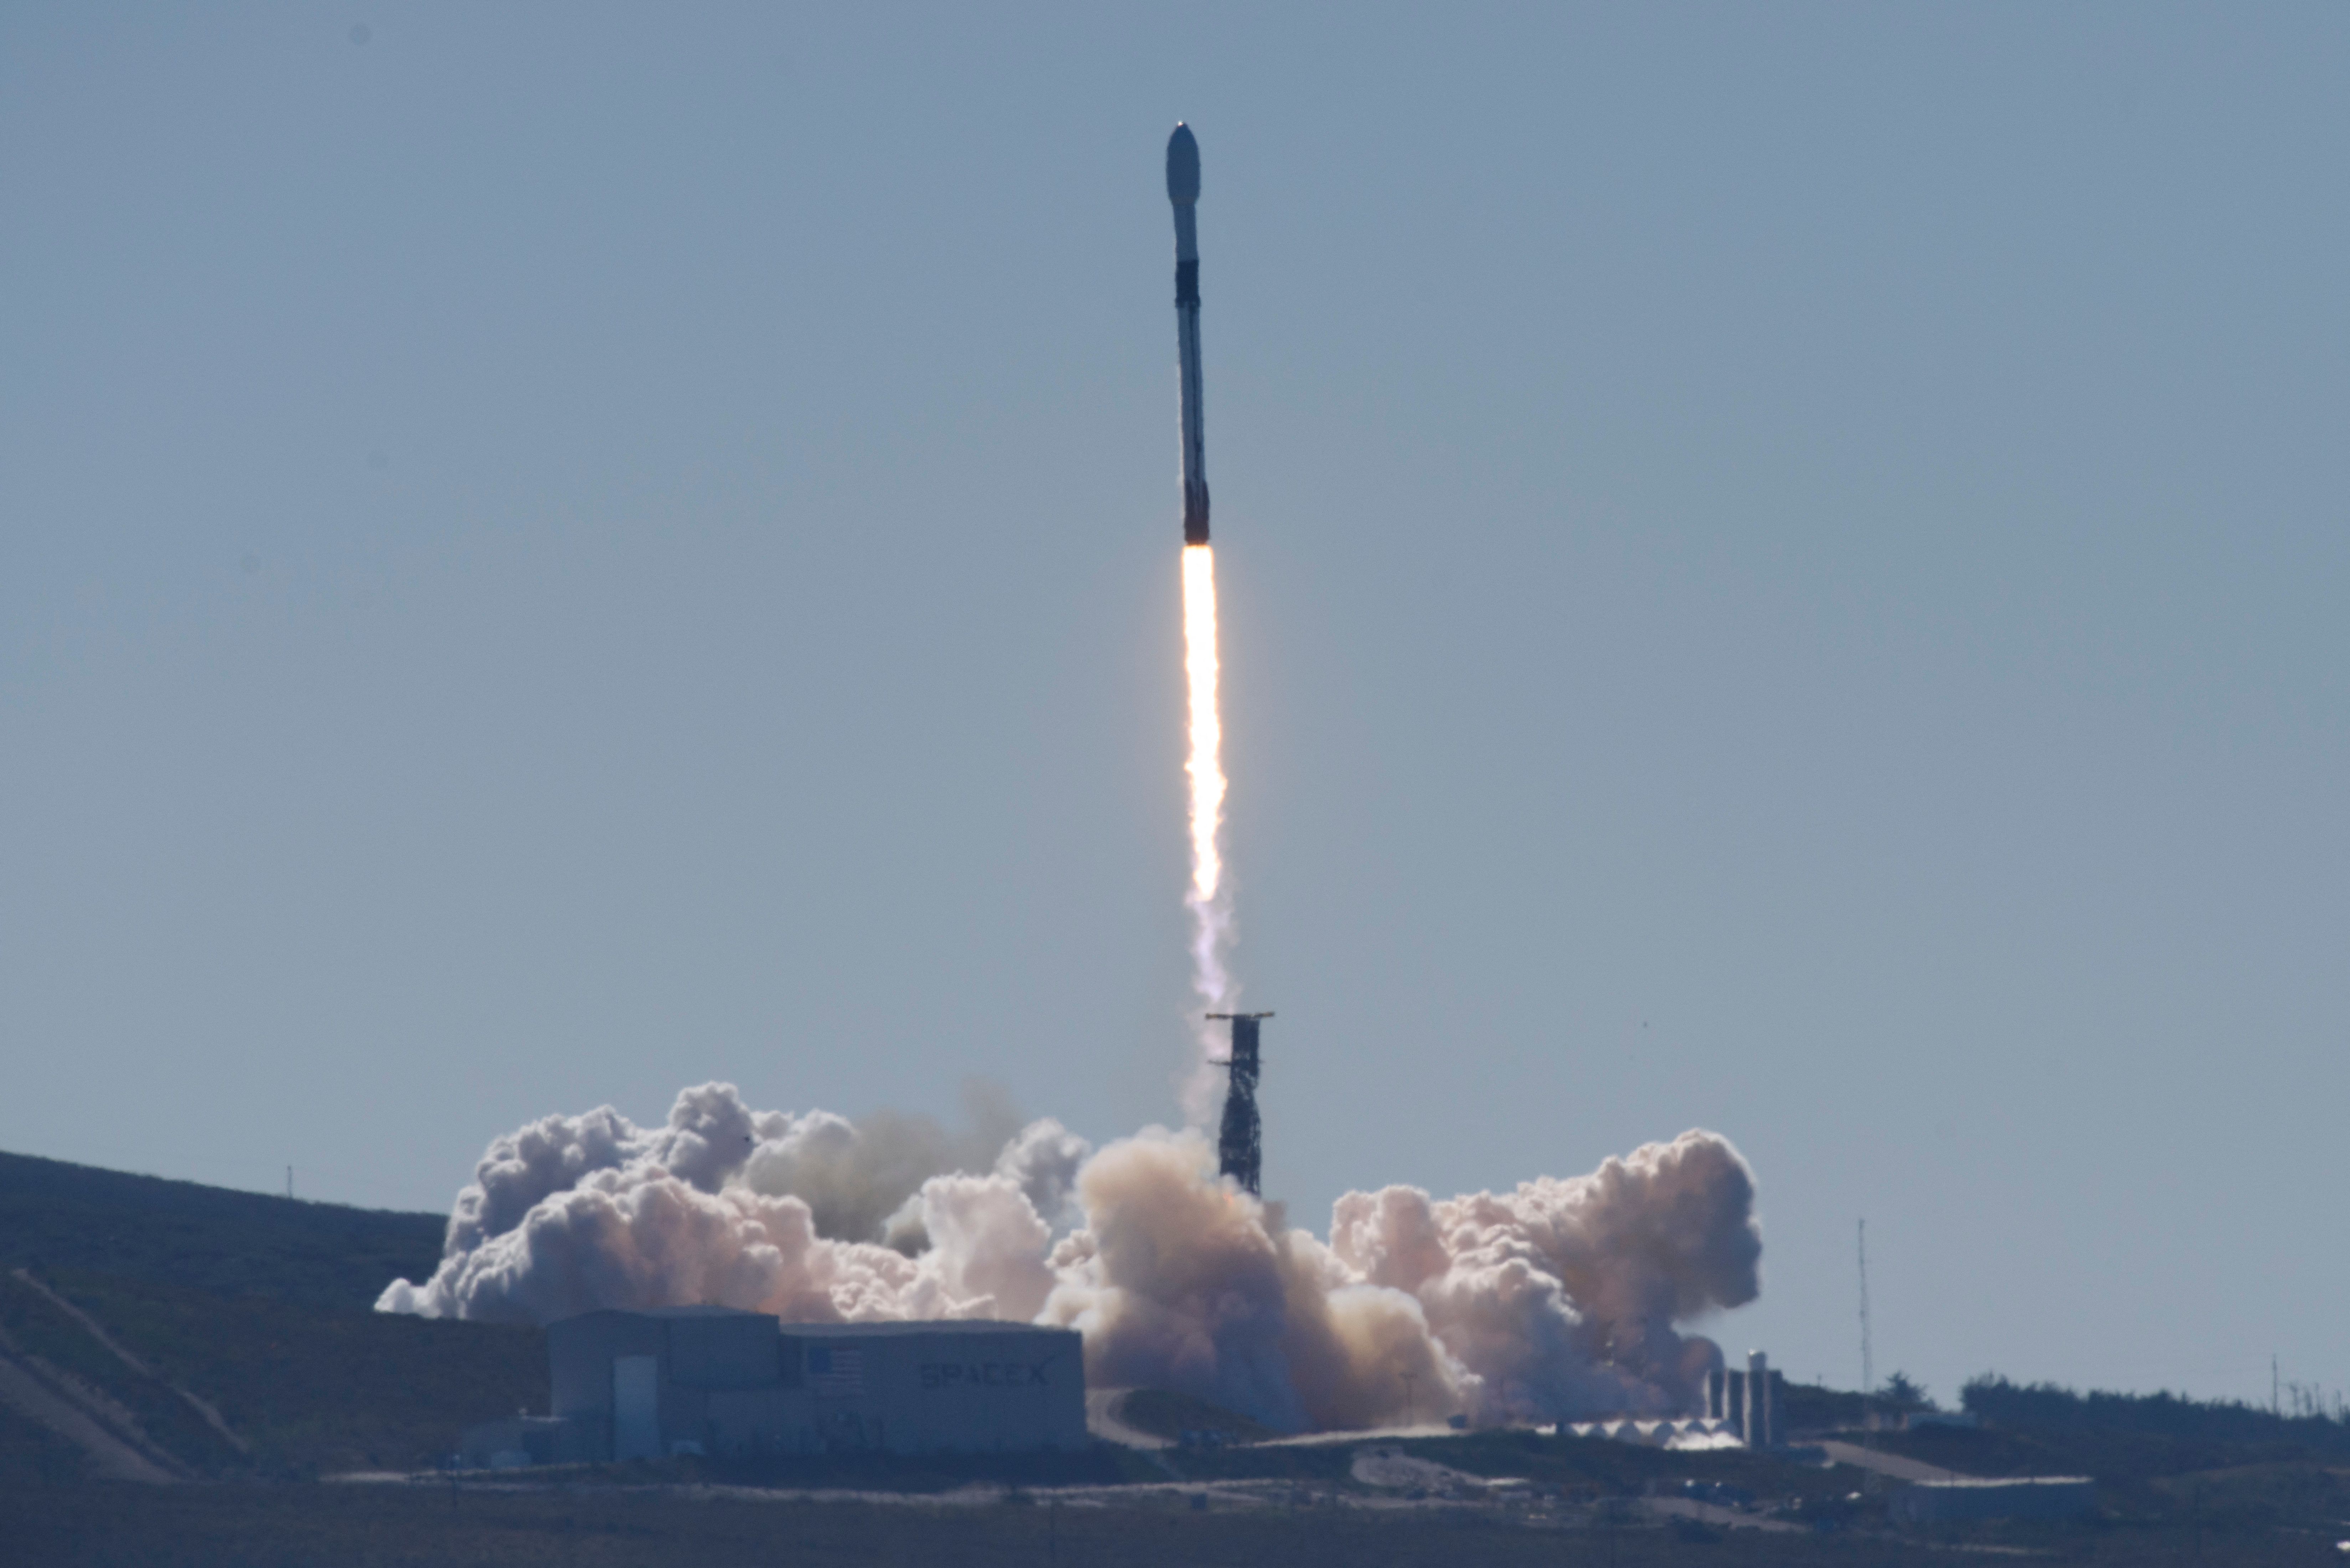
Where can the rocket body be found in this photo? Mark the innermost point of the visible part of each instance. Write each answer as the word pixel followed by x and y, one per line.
pixel 1183 192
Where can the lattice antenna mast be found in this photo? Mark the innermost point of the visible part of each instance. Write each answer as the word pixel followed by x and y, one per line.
pixel 1240 1146
pixel 1867 1364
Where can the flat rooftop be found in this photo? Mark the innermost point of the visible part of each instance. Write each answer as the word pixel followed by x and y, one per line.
pixel 918 1325
pixel 839 1330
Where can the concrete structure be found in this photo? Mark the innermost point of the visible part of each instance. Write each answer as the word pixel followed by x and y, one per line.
pixel 1747 1402
pixel 2030 1497
pixel 1761 1407
pixel 714 1381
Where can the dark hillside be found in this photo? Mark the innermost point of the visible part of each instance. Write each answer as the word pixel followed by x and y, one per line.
pixel 260 1306
pixel 56 1217
pixel 314 1392
pixel 32 1455
pixel 2050 1408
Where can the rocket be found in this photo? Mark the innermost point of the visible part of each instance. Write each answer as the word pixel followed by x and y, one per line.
pixel 1183 191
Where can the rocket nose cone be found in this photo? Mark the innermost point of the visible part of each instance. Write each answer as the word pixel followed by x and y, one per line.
pixel 1182 167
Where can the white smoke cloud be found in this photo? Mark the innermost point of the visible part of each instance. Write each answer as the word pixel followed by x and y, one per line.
pixel 1044 1161
pixel 857 1177
pixel 1562 1299
pixel 807 1216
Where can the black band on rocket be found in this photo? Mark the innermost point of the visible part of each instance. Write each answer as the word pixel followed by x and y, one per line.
pixel 1187 282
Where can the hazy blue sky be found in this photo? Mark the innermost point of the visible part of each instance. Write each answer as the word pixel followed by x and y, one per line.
pixel 1783 571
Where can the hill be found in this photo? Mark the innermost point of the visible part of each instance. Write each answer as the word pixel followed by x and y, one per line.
pixel 57 1217
pixel 152 1328
pixel 2199 1423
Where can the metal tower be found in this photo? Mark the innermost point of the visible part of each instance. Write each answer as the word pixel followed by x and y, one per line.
pixel 1240 1148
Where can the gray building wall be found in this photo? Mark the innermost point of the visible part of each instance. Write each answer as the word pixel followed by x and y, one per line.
pixel 742 1384
pixel 957 1387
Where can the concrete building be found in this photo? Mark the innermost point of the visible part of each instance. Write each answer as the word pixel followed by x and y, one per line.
pixel 714 1381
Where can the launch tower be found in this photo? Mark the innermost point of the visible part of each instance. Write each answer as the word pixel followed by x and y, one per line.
pixel 1240 1148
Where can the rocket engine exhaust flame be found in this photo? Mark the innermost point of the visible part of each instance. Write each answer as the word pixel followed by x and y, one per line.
pixel 1211 906
pixel 1206 775
pixel 1206 764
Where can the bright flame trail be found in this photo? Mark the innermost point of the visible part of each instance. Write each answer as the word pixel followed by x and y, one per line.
pixel 1211 910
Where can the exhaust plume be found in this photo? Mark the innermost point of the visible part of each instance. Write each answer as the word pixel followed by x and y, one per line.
pixel 1211 905
pixel 1563 1299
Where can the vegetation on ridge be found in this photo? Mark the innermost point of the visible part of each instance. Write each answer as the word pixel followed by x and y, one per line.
pixel 56 1217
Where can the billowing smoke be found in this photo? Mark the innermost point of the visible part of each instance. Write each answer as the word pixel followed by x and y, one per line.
pixel 1562 1299
pixel 808 1216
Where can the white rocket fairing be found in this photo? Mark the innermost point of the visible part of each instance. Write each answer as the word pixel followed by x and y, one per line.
pixel 1183 191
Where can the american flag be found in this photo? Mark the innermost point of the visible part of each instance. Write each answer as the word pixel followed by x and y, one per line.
pixel 835 1370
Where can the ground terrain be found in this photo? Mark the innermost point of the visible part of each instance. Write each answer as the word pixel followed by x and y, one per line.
pixel 191 1376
